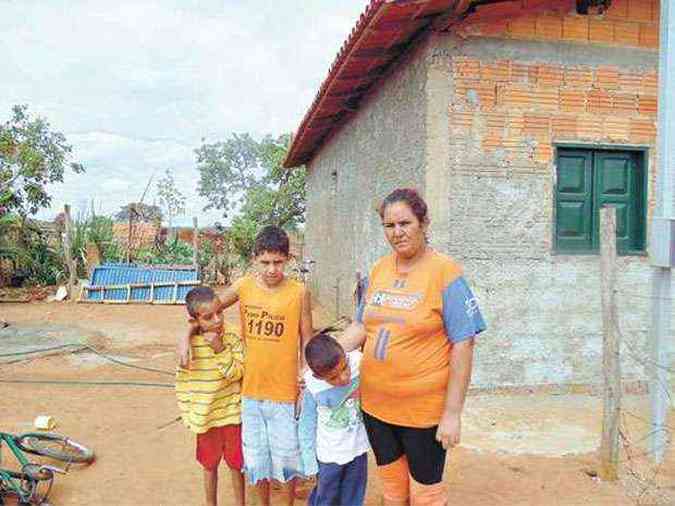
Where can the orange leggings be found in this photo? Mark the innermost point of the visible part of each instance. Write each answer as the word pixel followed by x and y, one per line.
pixel 399 487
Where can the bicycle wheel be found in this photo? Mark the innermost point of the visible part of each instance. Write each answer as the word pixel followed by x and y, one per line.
pixel 35 483
pixel 55 446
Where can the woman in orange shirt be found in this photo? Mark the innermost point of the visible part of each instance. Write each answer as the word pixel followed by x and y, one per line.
pixel 417 320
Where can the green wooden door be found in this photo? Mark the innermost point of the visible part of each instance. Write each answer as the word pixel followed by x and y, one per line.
pixel 619 182
pixel 574 231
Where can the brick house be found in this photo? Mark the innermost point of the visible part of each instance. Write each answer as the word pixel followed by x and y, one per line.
pixel 516 120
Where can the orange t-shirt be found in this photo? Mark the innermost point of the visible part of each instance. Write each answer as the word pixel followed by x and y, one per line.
pixel 270 325
pixel 410 319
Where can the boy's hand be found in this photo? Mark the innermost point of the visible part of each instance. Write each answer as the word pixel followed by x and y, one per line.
pixel 215 341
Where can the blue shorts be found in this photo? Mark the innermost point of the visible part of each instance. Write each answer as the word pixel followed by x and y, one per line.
pixel 270 440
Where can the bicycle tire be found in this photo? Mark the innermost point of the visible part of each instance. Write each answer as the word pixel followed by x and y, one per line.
pixel 55 446
pixel 32 477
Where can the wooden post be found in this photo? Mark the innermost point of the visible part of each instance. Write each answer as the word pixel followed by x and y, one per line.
pixel 611 363
pixel 132 209
pixel 68 254
pixel 195 245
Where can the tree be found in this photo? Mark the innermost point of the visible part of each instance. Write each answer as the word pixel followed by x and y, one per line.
pixel 246 177
pixel 142 212
pixel 170 197
pixel 31 157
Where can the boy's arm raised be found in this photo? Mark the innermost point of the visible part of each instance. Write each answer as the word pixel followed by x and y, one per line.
pixel 183 348
pixel 353 336
pixel 230 296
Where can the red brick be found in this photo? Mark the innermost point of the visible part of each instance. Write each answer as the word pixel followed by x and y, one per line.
pixel 629 81
pixel 498 71
pixel 626 33
pixel 647 105
pixel 516 125
pixel 466 67
pixel 546 98
pixel 564 127
pixel 495 122
pixel 491 143
pixel 523 27
pixel 640 10
pixel 599 101
pixel 514 147
pixel 650 83
pixel 601 31
pixel 516 97
pixel 462 120
pixel 543 153
pixel 642 129
pixel 617 128
pixel 549 27
pixel 649 36
pixel 579 78
pixel 537 126
pixel 575 28
pixel 523 73
pixel 589 127
pixel 607 77
pixel 625 103
pixel 572 101
pixel 618 9
pixel 549 75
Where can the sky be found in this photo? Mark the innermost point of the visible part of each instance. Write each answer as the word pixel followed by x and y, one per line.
pixel 136 85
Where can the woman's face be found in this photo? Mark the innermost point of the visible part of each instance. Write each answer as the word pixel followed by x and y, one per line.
pixel 404 232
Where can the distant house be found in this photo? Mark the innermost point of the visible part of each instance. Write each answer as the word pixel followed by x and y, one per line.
pixel 517 120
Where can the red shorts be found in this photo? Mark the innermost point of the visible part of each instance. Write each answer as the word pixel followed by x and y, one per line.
pixel 220 442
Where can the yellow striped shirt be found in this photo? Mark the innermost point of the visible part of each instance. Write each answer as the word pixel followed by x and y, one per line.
pixel 209 393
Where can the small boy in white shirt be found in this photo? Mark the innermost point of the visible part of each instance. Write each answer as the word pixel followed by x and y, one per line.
pixel 331 430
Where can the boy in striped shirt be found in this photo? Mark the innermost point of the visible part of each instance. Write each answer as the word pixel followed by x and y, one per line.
pixel 208 389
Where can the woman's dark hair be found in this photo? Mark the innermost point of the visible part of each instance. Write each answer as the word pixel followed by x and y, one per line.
pixel 323 354
pixel 271 239
pixel 411 198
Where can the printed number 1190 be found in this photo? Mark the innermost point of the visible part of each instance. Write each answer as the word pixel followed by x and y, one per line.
pixel 265 328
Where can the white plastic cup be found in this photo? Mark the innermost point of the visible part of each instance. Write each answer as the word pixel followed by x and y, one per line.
pixel 44 422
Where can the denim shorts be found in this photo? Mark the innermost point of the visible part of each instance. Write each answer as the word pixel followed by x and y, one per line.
pixel 270 440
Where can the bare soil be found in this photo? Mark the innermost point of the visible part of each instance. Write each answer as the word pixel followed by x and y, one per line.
pixel 533 449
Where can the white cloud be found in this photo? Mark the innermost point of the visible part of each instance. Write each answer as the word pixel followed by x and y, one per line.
pixel 136 84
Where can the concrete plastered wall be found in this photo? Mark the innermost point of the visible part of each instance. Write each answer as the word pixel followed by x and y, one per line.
pixel 380 148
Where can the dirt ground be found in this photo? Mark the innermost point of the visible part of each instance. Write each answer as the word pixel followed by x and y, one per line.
pixel 532 449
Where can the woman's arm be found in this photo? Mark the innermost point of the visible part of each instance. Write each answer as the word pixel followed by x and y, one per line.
pixel 461 364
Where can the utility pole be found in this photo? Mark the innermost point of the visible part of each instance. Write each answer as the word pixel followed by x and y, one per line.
pixel 662 244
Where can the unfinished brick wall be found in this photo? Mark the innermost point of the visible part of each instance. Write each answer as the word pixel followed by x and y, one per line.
pixel 519 87
pixel 629 23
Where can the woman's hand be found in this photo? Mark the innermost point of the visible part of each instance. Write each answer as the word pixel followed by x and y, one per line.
pixel 449 429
